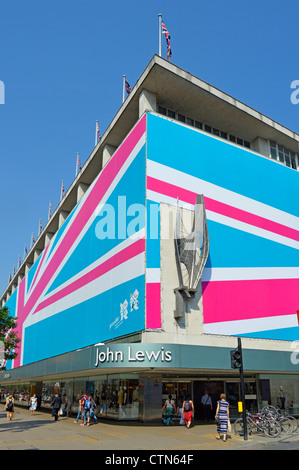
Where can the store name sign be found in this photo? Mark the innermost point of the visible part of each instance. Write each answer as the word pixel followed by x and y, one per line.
pixel 131 356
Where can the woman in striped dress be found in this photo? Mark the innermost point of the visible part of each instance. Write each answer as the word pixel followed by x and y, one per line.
pixel 222 412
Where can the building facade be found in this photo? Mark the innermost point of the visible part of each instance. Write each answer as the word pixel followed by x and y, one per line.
pixel 104 302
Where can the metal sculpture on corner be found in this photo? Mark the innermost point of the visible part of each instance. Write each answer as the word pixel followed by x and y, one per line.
pixel 192 250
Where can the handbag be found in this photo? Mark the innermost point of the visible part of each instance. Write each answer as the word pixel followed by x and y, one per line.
pixel 229 427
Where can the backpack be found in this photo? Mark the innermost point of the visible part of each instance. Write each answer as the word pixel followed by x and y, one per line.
pixel 87 404
pixel 9 406
pixel 187 406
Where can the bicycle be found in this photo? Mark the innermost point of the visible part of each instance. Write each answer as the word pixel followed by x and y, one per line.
pixel 257 423
pixel 288 423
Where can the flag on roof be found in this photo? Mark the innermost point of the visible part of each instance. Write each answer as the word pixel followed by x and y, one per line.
pixel 62 194
pixel 32 240
pixel 78 164
pixel 40 226
pixel 167 37
pixel 50 211
pixel 9 279
pixel 25 251
pixel 128 88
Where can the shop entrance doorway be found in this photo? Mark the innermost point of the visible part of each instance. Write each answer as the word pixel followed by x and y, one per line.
pixel 214 389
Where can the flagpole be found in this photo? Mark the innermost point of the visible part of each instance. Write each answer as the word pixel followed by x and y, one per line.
pixel 96 139
pixel 160 32
pixel 124 87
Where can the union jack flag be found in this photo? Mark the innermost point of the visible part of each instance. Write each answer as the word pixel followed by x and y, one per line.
pixel 167 37
pixel 62 194
pixel 98 131
pixel 32 240
pixel 78 164
pixel 128 88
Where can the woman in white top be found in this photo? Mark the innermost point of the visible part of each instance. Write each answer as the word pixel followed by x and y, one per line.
pixel 33 404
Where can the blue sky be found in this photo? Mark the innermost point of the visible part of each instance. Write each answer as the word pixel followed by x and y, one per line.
pixel 62 64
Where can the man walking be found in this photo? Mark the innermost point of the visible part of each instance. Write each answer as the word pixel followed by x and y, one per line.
pixel 207 405
pixel 56 405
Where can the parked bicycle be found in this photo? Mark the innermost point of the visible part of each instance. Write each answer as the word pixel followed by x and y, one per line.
pixel 288 423
pixel 258 423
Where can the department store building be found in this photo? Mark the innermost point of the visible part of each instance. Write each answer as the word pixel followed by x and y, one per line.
pixel 179 235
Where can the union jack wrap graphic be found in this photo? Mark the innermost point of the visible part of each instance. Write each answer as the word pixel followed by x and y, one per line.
pixel 167 37
pixel 113 270
pixel 128 88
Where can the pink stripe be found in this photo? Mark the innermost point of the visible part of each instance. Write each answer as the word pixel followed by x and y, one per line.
pixel 221 208
pixel 21 317
pixel 119 258
pixel 153 305
pixel 243 300
pixel 98 191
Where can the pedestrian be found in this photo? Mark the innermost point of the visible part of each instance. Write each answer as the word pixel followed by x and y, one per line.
pixel 222 413
pixel 56 405
pixel 33 404
pixel 79 414
pixel 93 406
pixel 188 409
pixel 206 402
pixel 169 407
pixel 85 408
pixel 9 407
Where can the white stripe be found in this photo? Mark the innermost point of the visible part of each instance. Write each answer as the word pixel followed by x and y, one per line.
pixel 249 274
pixel 244 227
pixel 199 186
pixel 120 274
pixel 228 221
pixel 153 275
pixel 240 327
pixel 117 249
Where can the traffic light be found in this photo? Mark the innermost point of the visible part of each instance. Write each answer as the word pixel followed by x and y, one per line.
pixel 236 358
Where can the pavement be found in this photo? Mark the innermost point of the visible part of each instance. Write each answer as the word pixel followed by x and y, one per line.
pixel 41 432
